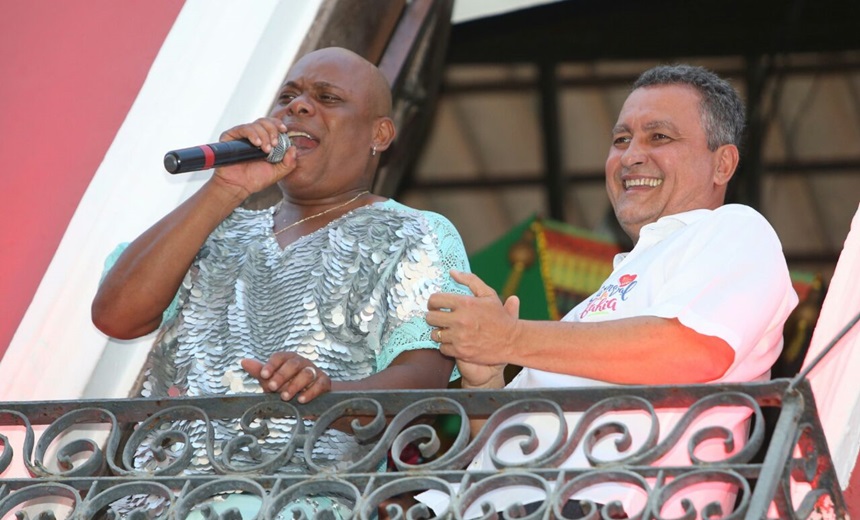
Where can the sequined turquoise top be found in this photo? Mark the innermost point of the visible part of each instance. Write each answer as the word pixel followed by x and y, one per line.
pixel 350 297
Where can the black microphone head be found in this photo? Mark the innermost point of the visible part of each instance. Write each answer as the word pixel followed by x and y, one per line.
pixel 280 150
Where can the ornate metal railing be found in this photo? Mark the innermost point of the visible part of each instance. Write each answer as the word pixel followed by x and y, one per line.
pixel 88 454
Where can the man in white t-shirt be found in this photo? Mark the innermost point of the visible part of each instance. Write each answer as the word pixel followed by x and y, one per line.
pixel 702 297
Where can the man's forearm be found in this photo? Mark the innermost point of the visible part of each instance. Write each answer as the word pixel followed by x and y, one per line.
pixel 640 350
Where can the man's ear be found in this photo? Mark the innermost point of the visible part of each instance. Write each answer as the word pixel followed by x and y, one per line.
pixel 383 133
pixel 727 162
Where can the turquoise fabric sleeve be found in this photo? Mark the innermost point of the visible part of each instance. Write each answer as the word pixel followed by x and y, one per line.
pixel 414 334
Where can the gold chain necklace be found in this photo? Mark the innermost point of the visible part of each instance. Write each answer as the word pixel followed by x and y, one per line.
pixel 321 213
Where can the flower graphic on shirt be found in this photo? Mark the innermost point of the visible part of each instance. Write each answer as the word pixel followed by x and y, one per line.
pixel 626 280
pixel 606 300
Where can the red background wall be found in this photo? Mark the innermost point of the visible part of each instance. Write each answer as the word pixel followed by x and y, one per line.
pixel 69 72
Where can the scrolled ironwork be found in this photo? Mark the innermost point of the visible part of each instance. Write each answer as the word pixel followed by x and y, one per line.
pixel 710 510
pixel 722 399
pixel 156 435
pixel 93 465
pixel 7 454
pixel 456 456
pixel 363 433
pixel 203 496
pixel 624 442
pixel 425 437
pixel 804 469
pixel 499 433
pixel 248 442
pixel 39 491
pixel 475 494
pixel 408 485
pixel 99 500
pixel 567 490
pixel 321 495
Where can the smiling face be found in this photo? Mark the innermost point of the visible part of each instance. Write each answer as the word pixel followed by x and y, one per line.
pixel 659 163
pixel 335 105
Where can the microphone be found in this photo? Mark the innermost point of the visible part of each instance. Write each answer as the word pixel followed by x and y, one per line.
pixel 208 156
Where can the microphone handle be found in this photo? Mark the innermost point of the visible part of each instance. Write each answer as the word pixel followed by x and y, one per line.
pixel 212 155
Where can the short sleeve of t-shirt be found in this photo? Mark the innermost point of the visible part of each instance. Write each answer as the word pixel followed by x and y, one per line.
pixel 414 333
pixel 726 277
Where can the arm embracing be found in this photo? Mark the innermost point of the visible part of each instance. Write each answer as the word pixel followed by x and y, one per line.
pixel 712 307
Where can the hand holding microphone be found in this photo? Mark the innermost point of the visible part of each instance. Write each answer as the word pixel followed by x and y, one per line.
pixel 207 156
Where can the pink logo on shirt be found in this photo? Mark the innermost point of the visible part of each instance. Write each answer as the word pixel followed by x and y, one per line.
pixel 606 299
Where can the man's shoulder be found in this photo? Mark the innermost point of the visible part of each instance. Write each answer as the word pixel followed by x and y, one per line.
pixel 737 224
pixel 741 215
pixel 730 223
pixel 741 210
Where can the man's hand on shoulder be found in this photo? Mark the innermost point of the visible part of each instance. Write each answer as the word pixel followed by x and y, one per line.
pixel 476 330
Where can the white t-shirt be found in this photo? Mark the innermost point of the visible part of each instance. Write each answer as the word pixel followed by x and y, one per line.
pixel 721 273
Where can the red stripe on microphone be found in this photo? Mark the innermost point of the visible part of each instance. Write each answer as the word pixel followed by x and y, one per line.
pixel 209 156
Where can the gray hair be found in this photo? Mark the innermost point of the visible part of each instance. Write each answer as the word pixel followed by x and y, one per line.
pixel 721 107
